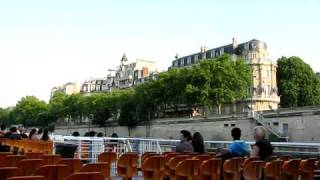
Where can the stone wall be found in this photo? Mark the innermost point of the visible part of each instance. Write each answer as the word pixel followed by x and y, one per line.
pixel 302 125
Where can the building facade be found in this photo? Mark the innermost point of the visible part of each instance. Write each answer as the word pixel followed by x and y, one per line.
pixel 263 91
pixel 68 88
pixel 126 75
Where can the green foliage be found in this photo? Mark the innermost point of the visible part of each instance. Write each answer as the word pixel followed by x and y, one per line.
pixel 298 84
pixel 30 111
pixel 212 82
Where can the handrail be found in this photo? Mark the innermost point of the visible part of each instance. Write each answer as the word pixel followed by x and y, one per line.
pixel 259 118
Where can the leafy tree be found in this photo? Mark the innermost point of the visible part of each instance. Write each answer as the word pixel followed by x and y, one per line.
pixel 298 84
pixel 28 111
pixel 226 81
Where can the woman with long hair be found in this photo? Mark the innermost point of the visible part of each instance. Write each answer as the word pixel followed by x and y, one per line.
pixel 32 134
pixel 198 143
pixel 45 135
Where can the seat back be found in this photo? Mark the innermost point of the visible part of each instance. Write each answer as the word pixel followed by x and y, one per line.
pixel 51 159
pixel 290 169
pixel 53 172
pixel 86 176
pixel 188 169
pixel 28 166
pixel 108 157
pixel 147 155
pixel 3 155
pixel 167 157
pixel 247 160
pixel 232 169
pixel 34 155
pixel 307 168
pixel 210 169
pixel 7 172
pixel 253 170
pixel 153 168
pixel 103 168
pixel 272 170
pixel 13 160
pixel 174 162
pixel 127 165
pixel 203 157
pixel 27 178
pixel 285 157
pixel 74 165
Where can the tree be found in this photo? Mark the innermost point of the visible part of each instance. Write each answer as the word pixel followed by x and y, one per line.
pixel 28 111
pixel 298 84
pixel 226 81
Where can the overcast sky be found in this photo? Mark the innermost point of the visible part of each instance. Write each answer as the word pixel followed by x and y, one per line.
pixel 46 43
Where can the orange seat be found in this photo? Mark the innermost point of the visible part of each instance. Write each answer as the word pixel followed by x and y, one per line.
pixel 28 166
pixel 253 170
pixel 173 164
pixel 108 157
pixel 147 155
pixel 13 160
pixel 53 172
pixel 74 165
pixel 34 155
pixel 127 165
pixel 86 176
pixel 247 160
pixel 187 169
pixel 210 169
pixel 153 168
pixel 27 178
pixel 167 157
pixel 203 157
pixel 7 172
pixel 285 157
pixel 307 168
pixel 232 168
pixel 3 155
pixel 103 168
pixel 51 159
pixel 272 170
pixel 290 169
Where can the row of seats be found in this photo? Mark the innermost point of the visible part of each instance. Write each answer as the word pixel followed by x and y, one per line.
pixel 155 167
pixel 26 145
pixel 198 167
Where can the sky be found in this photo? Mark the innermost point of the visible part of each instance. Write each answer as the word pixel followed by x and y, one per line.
pixel 45 43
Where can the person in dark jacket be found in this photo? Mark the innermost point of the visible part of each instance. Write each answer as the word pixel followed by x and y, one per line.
pixel 262 148
pixel 197 143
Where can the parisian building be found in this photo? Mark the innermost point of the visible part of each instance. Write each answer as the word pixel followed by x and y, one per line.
pixel 68 88
pixel 126 75
pixel 263 92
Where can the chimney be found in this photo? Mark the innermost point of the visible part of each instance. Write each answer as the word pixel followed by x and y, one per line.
pixel 234 42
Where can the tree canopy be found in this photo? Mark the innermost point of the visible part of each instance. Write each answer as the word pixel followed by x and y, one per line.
pixel 210 83
pixel 298 84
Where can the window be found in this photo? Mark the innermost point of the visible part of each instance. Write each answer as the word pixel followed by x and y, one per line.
pixel 221 50
pixel 276 123
pixel 285 129
pixel 233 125
pixel 181 62
pixel 226 125
pixel 189 60
pixel 196 58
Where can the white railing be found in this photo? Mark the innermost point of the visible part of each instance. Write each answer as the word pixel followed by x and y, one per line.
pixel 88 148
